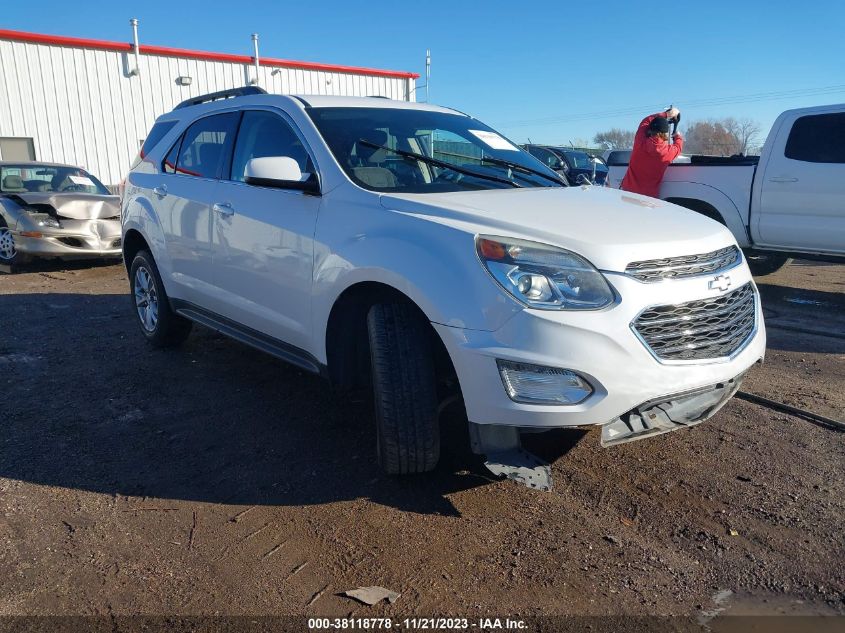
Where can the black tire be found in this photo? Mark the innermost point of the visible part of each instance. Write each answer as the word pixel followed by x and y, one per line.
pixel 762 264
pixel 405 390
pixel 167 329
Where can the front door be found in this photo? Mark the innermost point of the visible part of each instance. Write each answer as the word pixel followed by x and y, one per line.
pixel 263 238
pixel 801 202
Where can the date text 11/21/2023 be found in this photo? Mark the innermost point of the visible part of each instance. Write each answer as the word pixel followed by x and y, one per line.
pixel 416 624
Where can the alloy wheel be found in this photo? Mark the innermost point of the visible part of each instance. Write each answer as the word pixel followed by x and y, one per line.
pixel 146 299
pixel 7 244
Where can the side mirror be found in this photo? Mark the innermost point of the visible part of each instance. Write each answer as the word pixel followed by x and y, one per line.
pixel 281 172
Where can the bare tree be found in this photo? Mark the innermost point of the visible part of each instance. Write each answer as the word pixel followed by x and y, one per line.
pixel 721 137
pixel 615 139
pixel 746 131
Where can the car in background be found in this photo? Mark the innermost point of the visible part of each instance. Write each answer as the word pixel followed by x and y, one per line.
pixel 784 203
pixel 52 210
pixel 574 164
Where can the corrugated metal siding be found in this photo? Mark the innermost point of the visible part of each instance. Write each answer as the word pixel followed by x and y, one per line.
pixel 81 107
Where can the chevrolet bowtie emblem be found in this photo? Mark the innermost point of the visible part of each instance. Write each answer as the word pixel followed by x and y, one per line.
pixel 720 282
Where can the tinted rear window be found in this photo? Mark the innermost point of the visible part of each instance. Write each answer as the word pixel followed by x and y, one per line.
pixel 819 138
pixel 158 132
pixel 621 157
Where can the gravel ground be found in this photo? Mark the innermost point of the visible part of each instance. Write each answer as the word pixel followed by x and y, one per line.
pixel 216 480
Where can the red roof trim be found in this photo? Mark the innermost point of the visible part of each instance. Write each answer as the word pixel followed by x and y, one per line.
pixel 78 42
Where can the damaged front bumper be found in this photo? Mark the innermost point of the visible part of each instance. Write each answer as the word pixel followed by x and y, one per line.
pixel 80 239
pixel 669 413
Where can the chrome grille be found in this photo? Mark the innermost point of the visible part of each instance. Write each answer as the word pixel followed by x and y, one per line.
pixel 703 329
pixel 683 266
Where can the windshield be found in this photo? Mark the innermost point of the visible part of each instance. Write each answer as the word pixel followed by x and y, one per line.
pixel 48 179
pixel 362 140
pixel 580 160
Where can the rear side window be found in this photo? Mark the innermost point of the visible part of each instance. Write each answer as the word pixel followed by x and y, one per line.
pixel 203 146
pixel 545 156
pixel 158 132
pixel 819 138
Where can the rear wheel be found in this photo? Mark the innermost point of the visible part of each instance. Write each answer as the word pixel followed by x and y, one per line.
pixel 408 438
pixel 762 264
pixel 160 325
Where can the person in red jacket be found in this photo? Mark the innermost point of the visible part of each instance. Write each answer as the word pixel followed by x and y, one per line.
pixel 652 154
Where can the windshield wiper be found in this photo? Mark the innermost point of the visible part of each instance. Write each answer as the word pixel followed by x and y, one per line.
pixel 518 167
pixel 441 163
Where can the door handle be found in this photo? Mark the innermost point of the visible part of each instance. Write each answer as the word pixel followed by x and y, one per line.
pixel 782 179
pixel 223 208
pixel 160 191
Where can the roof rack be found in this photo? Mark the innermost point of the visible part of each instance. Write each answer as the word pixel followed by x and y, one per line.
pixel 222 94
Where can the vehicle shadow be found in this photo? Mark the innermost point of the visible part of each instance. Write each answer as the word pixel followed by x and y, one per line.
pixel 90 406
pixel 801 320
pixel 60 265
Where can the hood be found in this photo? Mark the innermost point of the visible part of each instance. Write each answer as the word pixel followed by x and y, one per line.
pixel 75 206
pixel 611 228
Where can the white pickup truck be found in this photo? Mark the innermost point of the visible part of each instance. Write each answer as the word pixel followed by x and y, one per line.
pixel 789 201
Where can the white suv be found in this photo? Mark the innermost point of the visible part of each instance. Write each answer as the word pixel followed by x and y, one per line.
pixel 411 250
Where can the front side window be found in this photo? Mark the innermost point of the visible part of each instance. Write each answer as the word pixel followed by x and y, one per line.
pixel 265 134
pixel 411 151
pixel 201 149
pixel 819 138
pixel 48 179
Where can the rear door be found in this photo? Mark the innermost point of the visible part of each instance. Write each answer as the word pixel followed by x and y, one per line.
pixel 263 238
pixel 803 186
pixel 184 196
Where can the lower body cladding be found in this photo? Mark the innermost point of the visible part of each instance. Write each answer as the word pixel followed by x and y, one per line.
pixel 602 370
pixel 77 239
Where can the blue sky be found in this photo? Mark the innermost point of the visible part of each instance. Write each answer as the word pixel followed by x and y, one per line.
pixel 551 72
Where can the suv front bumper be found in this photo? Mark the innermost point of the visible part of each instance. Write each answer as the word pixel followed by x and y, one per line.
pixel 601 347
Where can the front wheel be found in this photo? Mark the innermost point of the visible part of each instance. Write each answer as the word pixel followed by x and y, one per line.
pixel 762 264
pixel 160 325
pixel 404 386
pixel 9 254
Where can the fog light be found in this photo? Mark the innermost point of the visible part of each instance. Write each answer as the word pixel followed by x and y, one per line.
pixel 535 384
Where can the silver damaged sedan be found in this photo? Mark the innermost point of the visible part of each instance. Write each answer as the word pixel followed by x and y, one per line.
pixel 49 210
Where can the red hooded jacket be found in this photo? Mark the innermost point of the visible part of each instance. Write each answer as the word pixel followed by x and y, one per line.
pixel 649 159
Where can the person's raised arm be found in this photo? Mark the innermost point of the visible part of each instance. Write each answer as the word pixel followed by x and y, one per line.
pixel 666 152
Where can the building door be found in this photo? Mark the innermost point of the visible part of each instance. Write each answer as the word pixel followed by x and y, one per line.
pixel 17 149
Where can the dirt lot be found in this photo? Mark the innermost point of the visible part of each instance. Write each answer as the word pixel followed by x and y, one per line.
pixel 216 480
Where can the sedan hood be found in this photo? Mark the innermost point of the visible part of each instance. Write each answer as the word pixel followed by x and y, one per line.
pixel 611 228
pixel 75 206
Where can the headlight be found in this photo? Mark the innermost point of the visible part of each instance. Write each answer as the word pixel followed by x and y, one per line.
pixel 543 276
pixel 48 221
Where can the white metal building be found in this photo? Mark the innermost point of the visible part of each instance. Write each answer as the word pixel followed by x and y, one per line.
pixel 90 102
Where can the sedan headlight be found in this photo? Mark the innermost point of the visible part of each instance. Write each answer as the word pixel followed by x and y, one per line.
pixel 48 221
pixel 543 276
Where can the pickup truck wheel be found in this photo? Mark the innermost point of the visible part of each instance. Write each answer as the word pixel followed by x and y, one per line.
pixel 408 437
pixel 762 264
pixel 159 324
